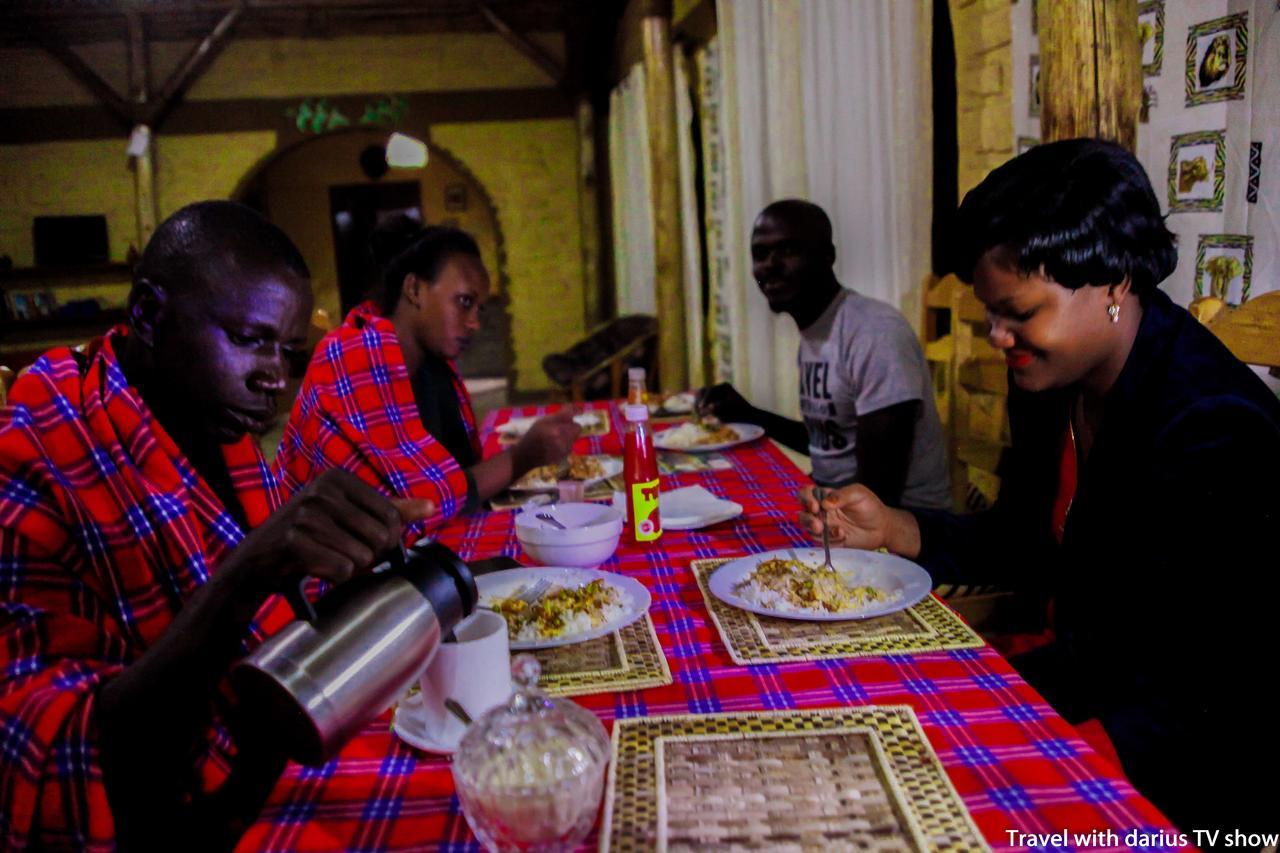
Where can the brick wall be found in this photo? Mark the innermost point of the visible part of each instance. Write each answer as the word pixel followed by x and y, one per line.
pixel 984 86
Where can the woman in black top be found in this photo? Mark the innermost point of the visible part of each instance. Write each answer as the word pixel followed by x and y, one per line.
pixel 1142 487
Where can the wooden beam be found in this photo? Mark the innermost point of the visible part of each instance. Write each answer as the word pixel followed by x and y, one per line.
pixel 101 89
pixel 588 206
pixel 532 51
pixel 139 58
pixel 26 125
pixel 1091 70
pixel 143 162
pixel 664 156
pixel 194 64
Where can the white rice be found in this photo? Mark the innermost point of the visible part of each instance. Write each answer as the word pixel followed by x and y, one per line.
pixel 579 623
pixel 768 599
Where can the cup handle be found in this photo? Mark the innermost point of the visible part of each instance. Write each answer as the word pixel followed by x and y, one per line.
pixel 294 594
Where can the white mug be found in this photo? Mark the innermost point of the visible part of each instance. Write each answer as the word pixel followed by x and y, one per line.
pixel 475 672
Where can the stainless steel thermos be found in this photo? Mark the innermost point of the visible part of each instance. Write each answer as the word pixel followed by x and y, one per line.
pixel 348 658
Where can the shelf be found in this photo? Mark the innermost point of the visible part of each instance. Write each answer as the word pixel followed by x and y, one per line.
pixel 58 328
pixel 25 278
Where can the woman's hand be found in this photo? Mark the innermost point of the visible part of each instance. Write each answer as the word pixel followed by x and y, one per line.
pixel 856 518
pixel 547 442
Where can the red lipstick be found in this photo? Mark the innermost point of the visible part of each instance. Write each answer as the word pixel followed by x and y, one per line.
pixel 1017 358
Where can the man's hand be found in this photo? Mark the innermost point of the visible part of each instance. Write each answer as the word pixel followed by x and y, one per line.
pixel 856 518
pixel 334 527
pixel 547 442
pixel 724 403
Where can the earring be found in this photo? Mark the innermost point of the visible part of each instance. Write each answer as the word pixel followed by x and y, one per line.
pixel 1113 311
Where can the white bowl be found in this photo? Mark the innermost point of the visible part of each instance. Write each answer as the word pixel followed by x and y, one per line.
pixel 591 538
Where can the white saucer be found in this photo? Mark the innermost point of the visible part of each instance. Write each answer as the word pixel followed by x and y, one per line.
pixel 409 728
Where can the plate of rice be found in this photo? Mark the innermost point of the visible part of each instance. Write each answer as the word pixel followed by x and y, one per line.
pixel 796 584
pixel 706 436
pixel 580 604
pixel 587 469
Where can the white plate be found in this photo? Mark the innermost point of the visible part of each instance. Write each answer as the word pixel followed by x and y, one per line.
pixel 902 579
pixel 611 465
pixel 517 427
pixel 505 583
pixel 746 432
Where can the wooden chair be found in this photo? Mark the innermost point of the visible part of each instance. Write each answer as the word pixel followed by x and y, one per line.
pixel 612 347
pixel 970 388
pixel 1251 331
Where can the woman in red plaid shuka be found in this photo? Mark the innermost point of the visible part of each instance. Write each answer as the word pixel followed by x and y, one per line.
pixel 128 579
pixel 382 397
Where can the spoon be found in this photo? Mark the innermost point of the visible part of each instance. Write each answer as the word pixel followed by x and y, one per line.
pixel 550 519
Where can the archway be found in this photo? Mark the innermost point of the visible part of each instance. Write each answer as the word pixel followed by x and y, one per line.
pixel 319 192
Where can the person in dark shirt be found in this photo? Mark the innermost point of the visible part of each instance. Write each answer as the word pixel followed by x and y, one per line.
pixel 1140 487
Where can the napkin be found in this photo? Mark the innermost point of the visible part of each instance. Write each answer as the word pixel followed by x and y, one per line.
pixel 693 507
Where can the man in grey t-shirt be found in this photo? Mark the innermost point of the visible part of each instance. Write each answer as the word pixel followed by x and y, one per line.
pixel 865 390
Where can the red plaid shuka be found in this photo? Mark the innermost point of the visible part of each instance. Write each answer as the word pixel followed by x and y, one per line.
pixel 106 530
pixel 356 411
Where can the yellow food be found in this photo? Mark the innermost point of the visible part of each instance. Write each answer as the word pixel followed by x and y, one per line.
pixel 576 468
pixel 582 608
pixel 806 587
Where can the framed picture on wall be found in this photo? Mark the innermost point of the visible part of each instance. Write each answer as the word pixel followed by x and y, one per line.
pixel 1033 95
pixel 1197 171
pixel 1224 267
pixel 1217 56
pixel 1151 32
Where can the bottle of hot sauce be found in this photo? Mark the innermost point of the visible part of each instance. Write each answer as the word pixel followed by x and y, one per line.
pixel 640 473
pixel 637 388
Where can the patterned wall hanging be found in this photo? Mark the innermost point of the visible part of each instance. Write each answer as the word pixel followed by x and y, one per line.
pixel 1217 56
pixel 1224 266
pixel 1197 171
pixel 1255 172
pixel 1033 95
pixel 1151 32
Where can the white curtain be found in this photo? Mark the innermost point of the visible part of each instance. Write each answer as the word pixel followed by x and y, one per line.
pixel 629 172
pixel 868 140
pixel 827 100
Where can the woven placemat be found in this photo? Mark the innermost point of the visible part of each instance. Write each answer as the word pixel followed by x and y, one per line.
pixel 627 659
pixel 850 778
pixel 925 627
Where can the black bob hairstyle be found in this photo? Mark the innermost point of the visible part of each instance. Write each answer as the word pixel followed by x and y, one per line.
pixel 1081 211
pixel 401 245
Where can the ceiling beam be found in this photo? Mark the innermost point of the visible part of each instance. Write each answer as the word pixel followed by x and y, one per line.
pixel 532 51
pixel 194 65
pixel 119 107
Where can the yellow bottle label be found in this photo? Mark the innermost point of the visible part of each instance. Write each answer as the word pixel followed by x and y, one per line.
pixel 644 511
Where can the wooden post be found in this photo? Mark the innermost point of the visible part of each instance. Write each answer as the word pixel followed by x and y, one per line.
pixel 140 143
pixel 660 100
pixel 588 210
pixel 1091 70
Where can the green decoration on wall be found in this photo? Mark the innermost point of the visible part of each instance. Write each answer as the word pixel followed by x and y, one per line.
pixel 317 115
pixel 387 111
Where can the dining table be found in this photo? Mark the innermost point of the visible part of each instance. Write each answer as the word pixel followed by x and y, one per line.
pixel 1024 774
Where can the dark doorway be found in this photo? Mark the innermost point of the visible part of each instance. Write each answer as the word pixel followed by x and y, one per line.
pixel 354 211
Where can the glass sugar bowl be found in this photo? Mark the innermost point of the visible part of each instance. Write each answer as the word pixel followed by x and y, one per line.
pixel 530 774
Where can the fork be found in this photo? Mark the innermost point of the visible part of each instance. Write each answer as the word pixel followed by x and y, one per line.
pixel 820 495
pixel 530 594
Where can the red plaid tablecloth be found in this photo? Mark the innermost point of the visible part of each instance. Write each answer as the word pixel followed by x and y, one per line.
pixel 1015 762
